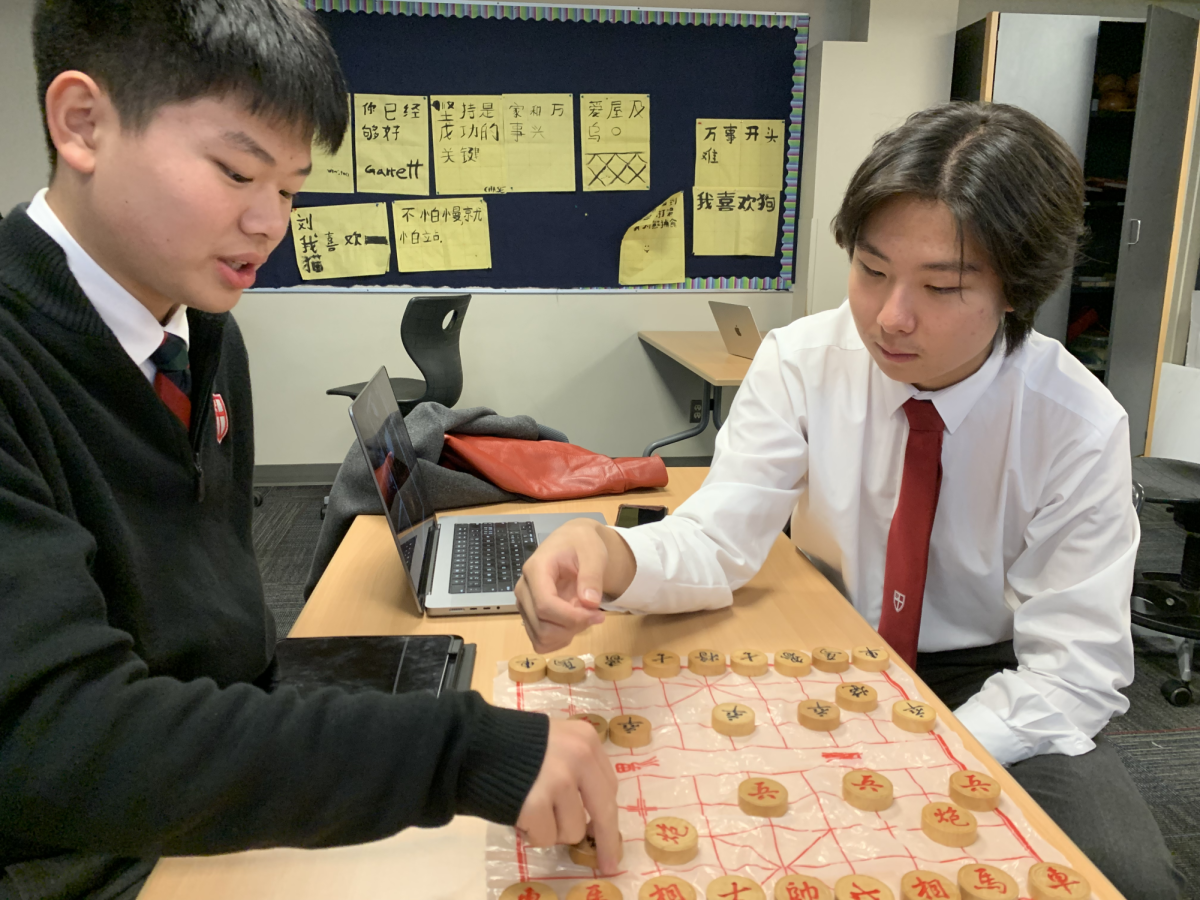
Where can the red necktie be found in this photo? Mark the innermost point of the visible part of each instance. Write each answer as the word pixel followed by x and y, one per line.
pixel 912 523
pixel 173 380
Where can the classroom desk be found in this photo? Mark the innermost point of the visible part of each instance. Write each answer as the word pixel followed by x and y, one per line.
pixel 704 353
pixel 788 602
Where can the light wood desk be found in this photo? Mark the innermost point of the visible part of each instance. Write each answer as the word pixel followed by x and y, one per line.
pixel 788 603
pixel 704 353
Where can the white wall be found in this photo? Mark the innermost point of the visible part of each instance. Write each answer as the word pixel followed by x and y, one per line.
pixel 571 361
pixel 858 91
pixel 24 167
pixel 1177 414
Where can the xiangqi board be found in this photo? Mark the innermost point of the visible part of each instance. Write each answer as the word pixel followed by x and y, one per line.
pixel 689 771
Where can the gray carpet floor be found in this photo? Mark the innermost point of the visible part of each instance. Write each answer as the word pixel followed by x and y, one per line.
pixel 1159 743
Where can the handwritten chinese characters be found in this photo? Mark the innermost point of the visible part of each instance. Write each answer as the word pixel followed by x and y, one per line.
pixel 468 144
pixel 652 250
pixel 734 221
pixel 341 241
pixel 615 139
pixel 332 173
pixel 740 153
pixel 539 142
pixel 440 235
pixel 391 144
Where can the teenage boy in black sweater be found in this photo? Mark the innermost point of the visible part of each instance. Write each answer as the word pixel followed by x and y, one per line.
pixel 133 630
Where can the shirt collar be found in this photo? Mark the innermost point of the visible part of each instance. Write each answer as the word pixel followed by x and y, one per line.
pixel 134 326
pixel 953 402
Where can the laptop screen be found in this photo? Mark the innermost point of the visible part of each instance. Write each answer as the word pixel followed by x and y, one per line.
pixel 385 444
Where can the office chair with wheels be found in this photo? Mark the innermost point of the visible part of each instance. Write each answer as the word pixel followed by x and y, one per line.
pixel 429 331
pixel 1162 601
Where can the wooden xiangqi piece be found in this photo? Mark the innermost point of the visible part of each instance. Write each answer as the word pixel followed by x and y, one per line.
pixel 750 663
pixel 762 797
pixel 858 887
pixel 792 663
pixel 595 889
pixel 733 719
pixel 613 666
pixel 977 881
pixel 974 790
pixel 870 659
pixel 856 697
pixel 728 886
pixel 819 715
pixel 661 664
pixel 671 841
pixel 629 731
pixel 528 890
pixel 804 887
pixel 949 825
pixel 584 853
pixel 914 716
pixel 566 669
pixel 527 668
pixel 1054 880
pixel 866 789
pixel 829 659
pixel 706 662
pixel 666 887
pixel 921 884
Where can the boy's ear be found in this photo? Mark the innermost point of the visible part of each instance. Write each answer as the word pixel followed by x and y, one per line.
pixel 76 110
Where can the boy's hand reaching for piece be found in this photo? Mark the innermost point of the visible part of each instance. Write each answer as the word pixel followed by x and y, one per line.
pixel 563 582
pixel 576 786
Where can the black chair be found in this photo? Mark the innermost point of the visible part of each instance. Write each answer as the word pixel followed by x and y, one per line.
pixel 429 330
pixel 1162 601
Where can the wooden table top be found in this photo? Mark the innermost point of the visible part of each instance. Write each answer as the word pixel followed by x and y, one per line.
pixel 702 352
pixel 362 593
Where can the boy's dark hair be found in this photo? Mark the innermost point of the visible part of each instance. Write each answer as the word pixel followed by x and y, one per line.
pixel 1006 177
pixel 147 53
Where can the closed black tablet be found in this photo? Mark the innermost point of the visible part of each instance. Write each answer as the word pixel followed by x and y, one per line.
pixel 393 664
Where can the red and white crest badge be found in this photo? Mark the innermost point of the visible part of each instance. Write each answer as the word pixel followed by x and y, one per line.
pixel 222 417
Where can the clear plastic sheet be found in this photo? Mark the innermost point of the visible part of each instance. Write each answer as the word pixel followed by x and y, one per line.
pixel 691 771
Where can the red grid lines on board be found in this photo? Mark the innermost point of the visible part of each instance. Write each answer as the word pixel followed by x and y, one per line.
pixel 690 771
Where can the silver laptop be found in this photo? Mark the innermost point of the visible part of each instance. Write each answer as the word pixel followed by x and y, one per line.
pixel 736 324
pixel 456 565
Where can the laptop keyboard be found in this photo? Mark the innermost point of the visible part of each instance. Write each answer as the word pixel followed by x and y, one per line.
pixel 488 556
pixel 406 550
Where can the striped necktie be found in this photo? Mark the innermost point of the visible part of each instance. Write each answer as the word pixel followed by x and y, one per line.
pixel 173 380
pixel 912 524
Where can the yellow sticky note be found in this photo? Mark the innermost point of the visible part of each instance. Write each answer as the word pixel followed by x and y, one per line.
pixel 539 141
pixel 439 235
pixel 341 241
pixel 652 249
pixel 468 144
pixel 740 152
pixel 614 134
pixel 332 173
pixel 735 221
pixel 391 144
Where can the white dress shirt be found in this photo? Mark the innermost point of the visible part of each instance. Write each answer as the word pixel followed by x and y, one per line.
pixel 135 327
pixel 1034 538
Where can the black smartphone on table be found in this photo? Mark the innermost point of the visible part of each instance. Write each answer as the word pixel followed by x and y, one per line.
pixel 630 516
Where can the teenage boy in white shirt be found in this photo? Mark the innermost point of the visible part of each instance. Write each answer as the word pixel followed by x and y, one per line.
pixel 964 480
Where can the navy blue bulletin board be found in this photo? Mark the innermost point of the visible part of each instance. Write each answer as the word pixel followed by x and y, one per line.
pixel 693 64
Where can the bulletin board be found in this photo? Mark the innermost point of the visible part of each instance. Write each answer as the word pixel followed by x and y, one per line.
pixel 693 64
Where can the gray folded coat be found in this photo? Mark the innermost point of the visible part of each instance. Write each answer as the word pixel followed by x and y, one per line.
pixel 354 492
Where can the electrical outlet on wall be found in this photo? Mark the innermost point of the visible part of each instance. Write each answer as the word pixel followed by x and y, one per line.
pixel 697 410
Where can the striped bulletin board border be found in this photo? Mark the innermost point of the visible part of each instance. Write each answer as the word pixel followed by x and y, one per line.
pixel 649 16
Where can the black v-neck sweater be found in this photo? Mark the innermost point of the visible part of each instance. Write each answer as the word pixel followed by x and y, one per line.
pixel 132 621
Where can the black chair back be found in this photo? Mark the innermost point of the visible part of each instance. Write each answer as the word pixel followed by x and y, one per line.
pixel 430 330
